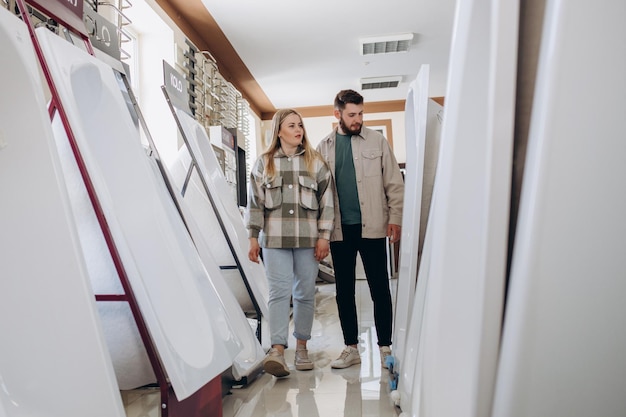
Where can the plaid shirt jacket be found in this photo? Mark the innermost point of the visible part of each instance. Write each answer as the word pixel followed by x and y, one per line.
pixel 293 209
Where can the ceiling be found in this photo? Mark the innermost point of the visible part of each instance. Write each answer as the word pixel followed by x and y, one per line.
pixel 282 53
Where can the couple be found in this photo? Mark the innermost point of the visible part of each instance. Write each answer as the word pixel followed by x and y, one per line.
pixel 345 198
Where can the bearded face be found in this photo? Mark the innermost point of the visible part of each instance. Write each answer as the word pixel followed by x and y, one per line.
pixel 350 125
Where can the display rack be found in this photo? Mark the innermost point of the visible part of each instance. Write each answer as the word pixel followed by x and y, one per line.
pixel 70 16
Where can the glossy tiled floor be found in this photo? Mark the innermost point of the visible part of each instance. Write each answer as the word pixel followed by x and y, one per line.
pixel 360 390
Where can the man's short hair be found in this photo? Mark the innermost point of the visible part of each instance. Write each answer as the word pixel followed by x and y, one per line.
pixel 347 96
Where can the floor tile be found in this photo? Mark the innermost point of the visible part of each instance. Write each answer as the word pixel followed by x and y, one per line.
pixel 359 391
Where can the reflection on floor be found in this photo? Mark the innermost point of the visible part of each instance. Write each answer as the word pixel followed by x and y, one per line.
pixel 323 392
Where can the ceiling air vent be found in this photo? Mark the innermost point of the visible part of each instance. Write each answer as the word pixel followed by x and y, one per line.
pixel 380 82
pixel 386 44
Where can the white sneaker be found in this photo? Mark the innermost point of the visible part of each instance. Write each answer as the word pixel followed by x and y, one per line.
pixel 274 363
pixel 385 351
pixel 350 356
pixel 302 361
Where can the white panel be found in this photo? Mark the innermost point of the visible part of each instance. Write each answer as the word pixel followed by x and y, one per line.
pixel 252 354
pixel 565 324
pixel 410 386
pixel 227 210
pixel 410 357
pixel 53 358
pixel 416 114
pixel 130 360
pixel 465 270
pixel 186 320
pixel 204 215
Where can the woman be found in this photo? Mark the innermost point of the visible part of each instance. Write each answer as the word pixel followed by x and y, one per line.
pixel 290 214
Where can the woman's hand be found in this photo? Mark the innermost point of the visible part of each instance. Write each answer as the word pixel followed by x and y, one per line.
pixel 255 249
pixel 322 248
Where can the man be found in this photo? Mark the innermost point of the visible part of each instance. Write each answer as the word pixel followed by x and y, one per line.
pixel 369 192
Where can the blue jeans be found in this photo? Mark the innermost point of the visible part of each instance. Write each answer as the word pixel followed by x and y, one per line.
pixel 290 272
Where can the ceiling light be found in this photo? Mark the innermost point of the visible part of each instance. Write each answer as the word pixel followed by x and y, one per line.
pixel 386 44
pixel 380 82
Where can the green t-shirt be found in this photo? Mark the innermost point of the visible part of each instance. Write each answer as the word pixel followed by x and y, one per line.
pixel 345 178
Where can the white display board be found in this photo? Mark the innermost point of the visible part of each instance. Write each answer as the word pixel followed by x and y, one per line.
pixel 416 114
pixel 53 357
pixel 565 324
pixel 186 319
pixel 249 360
pixel 464 260
pixel 128 353
pixel 252 354
pixel 227 210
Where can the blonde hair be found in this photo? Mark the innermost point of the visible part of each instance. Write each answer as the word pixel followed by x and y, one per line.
pixel 310 154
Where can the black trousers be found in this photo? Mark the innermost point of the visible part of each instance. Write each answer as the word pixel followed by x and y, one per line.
pixel 374 256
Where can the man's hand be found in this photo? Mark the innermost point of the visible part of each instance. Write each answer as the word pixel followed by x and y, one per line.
pixel 393 232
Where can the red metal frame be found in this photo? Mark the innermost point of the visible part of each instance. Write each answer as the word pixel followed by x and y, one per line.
pixel 68 18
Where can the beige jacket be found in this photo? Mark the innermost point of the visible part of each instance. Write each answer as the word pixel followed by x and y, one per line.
pixel 379 182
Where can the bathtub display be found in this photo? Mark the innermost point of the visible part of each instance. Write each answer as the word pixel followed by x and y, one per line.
pixel 225 211
pixel 416 118
pixel 185 316
pixel 463 266
pixel 52 346
pixel 203 223
pixel 564 333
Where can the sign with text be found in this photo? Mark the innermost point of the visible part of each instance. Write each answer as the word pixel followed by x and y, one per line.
pixel 176 87
pixel 103 34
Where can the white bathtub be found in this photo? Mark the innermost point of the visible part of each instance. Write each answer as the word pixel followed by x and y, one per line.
pixel 564 339
pixel 53 357
pixel 211 243
pixel 416 116
pixel 227 210
pixel 456 321
pixel 185 317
